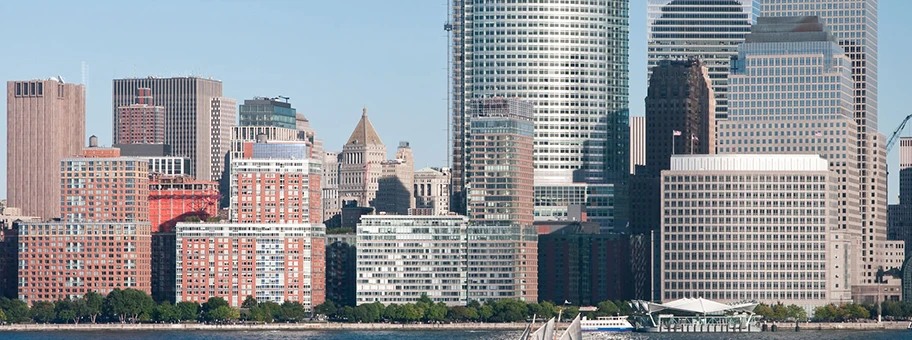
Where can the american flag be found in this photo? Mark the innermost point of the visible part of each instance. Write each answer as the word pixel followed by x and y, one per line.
pixel 694 137
pixel 676 132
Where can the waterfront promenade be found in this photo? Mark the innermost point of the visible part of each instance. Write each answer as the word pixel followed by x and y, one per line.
pixel 271 326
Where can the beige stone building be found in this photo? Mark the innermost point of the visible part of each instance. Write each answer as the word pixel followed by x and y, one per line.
pixel 395 190
pixel 432 191
pixel 361 165
pixel 45 122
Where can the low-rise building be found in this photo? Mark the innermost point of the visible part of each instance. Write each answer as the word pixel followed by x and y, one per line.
pixel 402 257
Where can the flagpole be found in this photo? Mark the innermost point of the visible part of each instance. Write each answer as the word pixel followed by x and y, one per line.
pixel 691 144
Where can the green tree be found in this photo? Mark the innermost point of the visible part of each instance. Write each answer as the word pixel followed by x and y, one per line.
pixel 166 312
pixel 570 313
pixel 607 308
pixel 2 316
pixel 410 313
pixel 70 310
pixel 188 310
pixel 43 311
pixel 623 307
pixel 765 311
pixel 213 303
pixel 222 313
pixel 436 312
pixel 780 312
pixel 133 303
pixel 462 314
pixel 17 311
pixel 485 313
pixel 327 308
pixel 509 310
pixel 892 308
pixel 856 311
pixel 249 302
pixel 797 313
pixel 93 304
pixel 115 305
pixel 293 311
pixel 271 311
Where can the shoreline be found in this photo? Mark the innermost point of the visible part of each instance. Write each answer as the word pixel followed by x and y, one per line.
pixel 781 327
pixel 266 327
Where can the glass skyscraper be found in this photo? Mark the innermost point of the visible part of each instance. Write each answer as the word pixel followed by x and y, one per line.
pixel 570 60
pixel 709 30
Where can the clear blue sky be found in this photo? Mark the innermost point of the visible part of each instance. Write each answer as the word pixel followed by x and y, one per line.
pixel 330 57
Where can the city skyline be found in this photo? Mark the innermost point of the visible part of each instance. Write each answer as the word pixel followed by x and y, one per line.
pixel 324 94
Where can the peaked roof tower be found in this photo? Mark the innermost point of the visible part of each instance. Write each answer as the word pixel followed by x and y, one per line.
pixel 364 132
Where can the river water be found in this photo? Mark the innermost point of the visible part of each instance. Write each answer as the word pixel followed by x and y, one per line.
pixel 433 335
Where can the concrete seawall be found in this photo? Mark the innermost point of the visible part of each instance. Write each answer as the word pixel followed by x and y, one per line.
pixel 273 326
pixel 829 326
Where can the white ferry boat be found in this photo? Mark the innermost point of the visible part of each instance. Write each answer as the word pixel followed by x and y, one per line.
pixel 607 324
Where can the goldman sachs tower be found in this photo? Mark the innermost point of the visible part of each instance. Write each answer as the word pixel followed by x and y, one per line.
pixel 570 61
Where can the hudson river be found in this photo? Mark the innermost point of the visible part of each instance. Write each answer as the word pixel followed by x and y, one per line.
pixel 433 335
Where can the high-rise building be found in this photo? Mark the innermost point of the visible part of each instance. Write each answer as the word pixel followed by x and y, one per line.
pixel 198 119
pixel 899 221
pixel 853 24
pixel 329 184
pixel 771 111
pixel 276 183
pixel 270 262
pixel 388 270
pixel 141 122
pixel 499 181
pixel 360 167
pixel 578 86
pixel 9 261
pixel 432 191
pixel 85 263
pixel 637 143
pixel 395 187
pixel 577 263
pixel 101 186
pixel 42 127
pixel 262 111
pixel 708 30
pixel 766 229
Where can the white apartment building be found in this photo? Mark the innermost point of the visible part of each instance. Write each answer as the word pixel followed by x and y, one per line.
pixel 402 257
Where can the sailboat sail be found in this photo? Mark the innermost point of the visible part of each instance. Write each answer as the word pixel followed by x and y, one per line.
pixel 574 331
pixel 546 332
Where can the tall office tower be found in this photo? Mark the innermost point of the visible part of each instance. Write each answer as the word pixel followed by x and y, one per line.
pixel 396 185
pixel 432 191
pixel 790 91
pixel 360 168
pixel 499 174
pixel 329 183
pixel 41 128
pixel 637 143
pixel 197 119
pixel 276 183
pixel 101 186
pixel 680 112
pixel 570 61
pixel 307 133
pixel 270 262
pixel 708 30
pixel 776 239
pixel 899 221
pixel 141 122
pixel 854 25
pixel 82 264
pixel 388 270
pixel 680 118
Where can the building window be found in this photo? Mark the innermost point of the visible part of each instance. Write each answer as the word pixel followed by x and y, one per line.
pixel 18 89
pixel 32 89
pixel 40 89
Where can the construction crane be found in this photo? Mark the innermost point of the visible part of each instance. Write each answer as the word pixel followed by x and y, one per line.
pixel 895 136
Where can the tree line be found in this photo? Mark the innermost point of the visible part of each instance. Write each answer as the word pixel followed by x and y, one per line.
pixel 425 310
pixel 135 306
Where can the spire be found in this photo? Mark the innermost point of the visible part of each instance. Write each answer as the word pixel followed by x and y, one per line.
pixel 364 132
